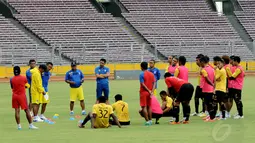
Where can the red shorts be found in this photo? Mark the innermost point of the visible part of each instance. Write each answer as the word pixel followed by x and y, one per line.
pixel 19 102
pixel 145 99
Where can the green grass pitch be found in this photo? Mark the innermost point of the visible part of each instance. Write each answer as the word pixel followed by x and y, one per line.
pixel 66 131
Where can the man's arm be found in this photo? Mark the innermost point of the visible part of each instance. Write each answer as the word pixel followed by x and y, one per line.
pixel 11 83
pixel 38 83
pixel 235 74
pixel 218 74
pixel 229 73
pixel 116 120
pixel 98 75
pixel 82 77
pixel 176 72
pixel 107 73
pixel 67 80
pixel 158 74
pixel 143 85
pixel 205 75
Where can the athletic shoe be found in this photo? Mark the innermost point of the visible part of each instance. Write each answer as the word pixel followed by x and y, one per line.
pixel 147 123
pixel 43 117
pixel 156 123
pixel 71 113
pixel 185 122
pixel 184 118
pixel 218 114
pixel 172 119
pixel 202 115
pixel 194 114
pixel 174 123
pixel 236 114
pixel 81 126
pixel 209 120
pixel 83 112
pixel 33 127
pixel 19 127
pixel 238 117
pixel 207 117
pixel 37 119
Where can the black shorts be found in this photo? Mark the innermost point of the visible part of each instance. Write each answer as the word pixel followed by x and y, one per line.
pixel 169 113
pixel 185 93
pixel 231 93
pixel 221 96
pixel 209 97
pixel 198 92
pixel 121 123
pixel 236 92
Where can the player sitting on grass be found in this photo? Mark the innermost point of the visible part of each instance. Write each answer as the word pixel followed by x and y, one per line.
pixel 19 85
pixel 157 112
pixel 100 115
pixel 183 93
pixel 167 105
pixel 121 109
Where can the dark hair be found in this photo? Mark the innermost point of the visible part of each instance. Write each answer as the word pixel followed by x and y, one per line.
pixel 237 59
pixel 167 74
pixel 217 58
pixel 176 57
pixel 31 61
pixel 49 63
pixel 102 99
pixel 163 92
pixel 232 57
pixel 182 60
pixel 44 67
pixel 144 65
pixel 225 59
pixel 199 56
pixel 152 61
pixel 16 70
pixel 118 97
pixel 103 60
pixel 204 59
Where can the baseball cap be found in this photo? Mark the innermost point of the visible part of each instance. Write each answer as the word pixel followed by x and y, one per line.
pixel 16 70
pixel 73 64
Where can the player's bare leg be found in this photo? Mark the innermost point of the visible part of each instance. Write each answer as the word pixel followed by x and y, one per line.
pixel 17 117
pixel 44 105
pixel 36 110
pixel 29 119
pixel 31 108
pixel 86 119
pixel 71 107
pixel 149 113
pixel 145 113
pixel 82 104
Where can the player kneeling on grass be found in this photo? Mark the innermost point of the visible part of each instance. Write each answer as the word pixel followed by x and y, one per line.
pixel 183 93
pixel 156 110
pixel 100 115
pixel 121 109
pixel 167 105
pixel 19 85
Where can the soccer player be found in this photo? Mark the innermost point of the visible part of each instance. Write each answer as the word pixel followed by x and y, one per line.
pixel 100 115
pixel 32 64
pixel 75 78
pixel 207 85
pixel 19 100
pixel 181 71
pixel 171 68
pixel 167 105
pixel 238 80
pixel 170 61
pixel 220 85
pixel 156 73
pixel 121 109
pixel 45 80
pixel 183 92
pixel 147 86
pixel 157 112
pixel 37 90
pixel 198 92
pixel 102 74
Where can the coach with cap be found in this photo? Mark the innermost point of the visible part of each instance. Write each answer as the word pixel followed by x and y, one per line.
pixel 75 78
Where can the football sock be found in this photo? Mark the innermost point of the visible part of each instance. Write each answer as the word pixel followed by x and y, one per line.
pixel 196 104
pixel 176 112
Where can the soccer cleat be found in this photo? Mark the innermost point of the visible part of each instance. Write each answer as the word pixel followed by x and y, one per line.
pixel 157 123
pixel 33 127
pixel 172 119
pixel 209 120
pixel 236 114
pixel 174 123
pixel 202 115
pixel 218 114
pixel 238 117
pixel 185 122
pixel 43 117
pixel 19 127
pixel 37 119
pixel 81 126
pixel 194 114
pixel 147 123
pixel 184 118
pixel 207 117
pixel 71 113
pixel 83 112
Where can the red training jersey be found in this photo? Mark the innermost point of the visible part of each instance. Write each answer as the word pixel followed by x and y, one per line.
pixel 148 79
pixel 18 84
pixel 175 82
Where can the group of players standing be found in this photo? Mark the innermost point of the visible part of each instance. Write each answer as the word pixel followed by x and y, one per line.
pixel 218 84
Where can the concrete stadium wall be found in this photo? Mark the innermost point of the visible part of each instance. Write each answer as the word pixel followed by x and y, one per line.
pixel 128 69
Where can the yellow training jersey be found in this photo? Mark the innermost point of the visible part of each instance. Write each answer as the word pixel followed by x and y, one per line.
pixel 121 109
pixel 103 112
pixel 169 102
pixel 36 86
pixel 220 77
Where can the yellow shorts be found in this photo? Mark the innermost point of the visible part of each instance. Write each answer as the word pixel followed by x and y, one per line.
pixel 76 93
pixel 44 100
pixel 36 98
pixel 155 92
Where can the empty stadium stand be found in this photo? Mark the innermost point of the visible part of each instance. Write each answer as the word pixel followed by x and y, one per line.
pixel 184 26
pixel 247 16
pixel 78 30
